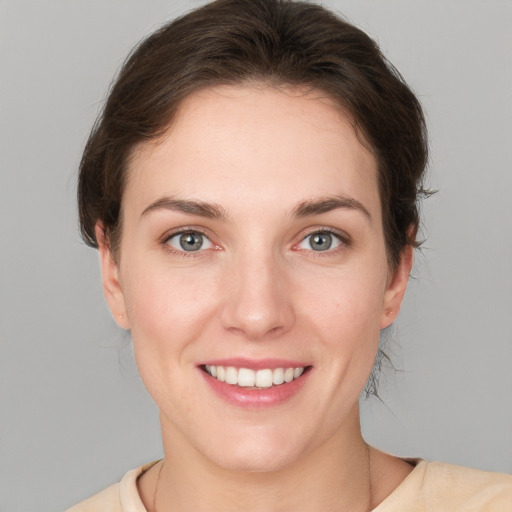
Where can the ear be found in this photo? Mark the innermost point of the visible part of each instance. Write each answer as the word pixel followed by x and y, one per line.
pixel 396 286
pixel 110 278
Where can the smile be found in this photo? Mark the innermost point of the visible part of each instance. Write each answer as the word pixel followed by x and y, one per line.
pixel 259 379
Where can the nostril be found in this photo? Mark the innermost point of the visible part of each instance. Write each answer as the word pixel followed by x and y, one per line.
pixel 256 306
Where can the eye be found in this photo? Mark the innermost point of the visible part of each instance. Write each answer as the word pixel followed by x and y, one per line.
pixel 320 241
pixel 189 241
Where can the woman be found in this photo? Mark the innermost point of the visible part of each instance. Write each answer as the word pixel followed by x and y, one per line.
pixel 252 190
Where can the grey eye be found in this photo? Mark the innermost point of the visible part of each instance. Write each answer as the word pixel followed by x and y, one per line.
pixel 320 241
pixel 190 241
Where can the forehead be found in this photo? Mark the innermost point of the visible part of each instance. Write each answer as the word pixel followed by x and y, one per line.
pixel 254 144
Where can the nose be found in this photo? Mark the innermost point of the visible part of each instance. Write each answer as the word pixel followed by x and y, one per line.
pixel 259 300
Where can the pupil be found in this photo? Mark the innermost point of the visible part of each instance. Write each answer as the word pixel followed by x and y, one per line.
pixel 321 241
pixel 191 241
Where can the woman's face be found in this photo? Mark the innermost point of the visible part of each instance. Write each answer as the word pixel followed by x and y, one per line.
pixel 253 243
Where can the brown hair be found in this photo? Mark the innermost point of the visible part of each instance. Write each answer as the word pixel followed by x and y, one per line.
pixel 276 42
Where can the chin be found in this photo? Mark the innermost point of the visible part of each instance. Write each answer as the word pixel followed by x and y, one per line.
pixel 261 452
pixel 256 461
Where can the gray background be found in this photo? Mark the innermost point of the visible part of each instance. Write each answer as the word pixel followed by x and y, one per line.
pixel 74 416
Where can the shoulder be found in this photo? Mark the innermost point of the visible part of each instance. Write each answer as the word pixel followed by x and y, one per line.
pixel 480 490
pixel 445 487
pixel 120 497
pixel 107 500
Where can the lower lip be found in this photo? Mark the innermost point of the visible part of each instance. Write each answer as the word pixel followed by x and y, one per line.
pixel 251 398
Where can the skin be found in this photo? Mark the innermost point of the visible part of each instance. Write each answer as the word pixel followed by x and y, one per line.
pixel 257 289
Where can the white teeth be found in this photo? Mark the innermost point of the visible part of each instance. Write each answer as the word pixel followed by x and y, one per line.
pixel 264 378
pixel 245 377
pixel 231 375
pixel 278 377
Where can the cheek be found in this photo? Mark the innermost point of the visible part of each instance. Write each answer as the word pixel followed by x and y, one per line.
pixel 168 310
pixel 345 315
pixel 168 307
pixel 346 305
pixel 342 319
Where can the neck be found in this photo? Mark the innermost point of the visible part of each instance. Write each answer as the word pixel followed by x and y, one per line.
pixel 333 476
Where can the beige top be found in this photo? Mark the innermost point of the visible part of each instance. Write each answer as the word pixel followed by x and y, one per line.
pixel 431 486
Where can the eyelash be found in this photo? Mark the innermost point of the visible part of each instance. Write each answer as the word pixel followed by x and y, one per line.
pixel 343 239
pixel 184 231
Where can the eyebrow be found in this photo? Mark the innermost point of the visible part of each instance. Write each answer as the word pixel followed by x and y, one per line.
pixel 215 211
pixel 328 204
pixel 199 208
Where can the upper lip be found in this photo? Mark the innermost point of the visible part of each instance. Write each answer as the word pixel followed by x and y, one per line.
pixel 256 364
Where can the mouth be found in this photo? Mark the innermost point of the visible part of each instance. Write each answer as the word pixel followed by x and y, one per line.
pixel 264 378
